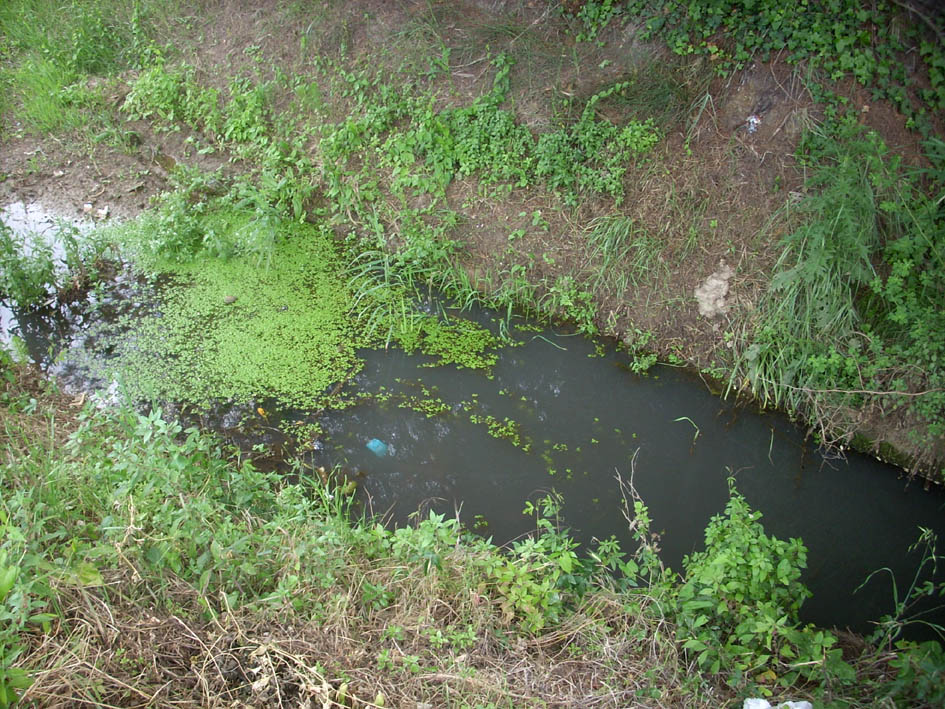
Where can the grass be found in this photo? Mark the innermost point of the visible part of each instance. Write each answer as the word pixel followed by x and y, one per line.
pixel 263 590
pixel 57 46
pixel 260 589
pixel 662 90
pixel 830 337
pixel 625 256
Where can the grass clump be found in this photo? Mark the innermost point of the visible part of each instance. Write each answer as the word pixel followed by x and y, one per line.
pixel 853 317
pixel 51 48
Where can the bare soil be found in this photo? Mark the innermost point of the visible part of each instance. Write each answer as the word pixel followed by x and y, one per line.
pixel 712 197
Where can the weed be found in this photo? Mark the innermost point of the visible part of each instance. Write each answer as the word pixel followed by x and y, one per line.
pixel 922 587
pixel 566 299
pixel 173 95
pixel 27 270
pixel 624 255
pixel 594 16
pixel 593 154
pixel 44 106
pixel 737 608
pixel 834 330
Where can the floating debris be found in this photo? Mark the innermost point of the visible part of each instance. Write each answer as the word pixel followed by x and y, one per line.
pixel 378 448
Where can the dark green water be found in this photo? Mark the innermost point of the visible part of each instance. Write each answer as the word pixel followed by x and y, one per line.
pixel 583 416
pixel 586 416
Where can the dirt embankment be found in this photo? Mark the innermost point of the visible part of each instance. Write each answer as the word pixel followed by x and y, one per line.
pixel 710 203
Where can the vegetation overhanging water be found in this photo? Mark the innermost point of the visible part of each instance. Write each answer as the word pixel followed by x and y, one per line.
pixel 421 167
pixel 266 354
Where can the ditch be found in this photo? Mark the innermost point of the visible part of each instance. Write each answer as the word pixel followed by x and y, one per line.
pixel 558 412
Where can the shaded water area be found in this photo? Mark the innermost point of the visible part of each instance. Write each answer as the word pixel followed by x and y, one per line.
pixel 561 412
pixel 585 416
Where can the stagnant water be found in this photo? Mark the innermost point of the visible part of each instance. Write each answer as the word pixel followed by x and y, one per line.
pixel 583 417
pixel 587 416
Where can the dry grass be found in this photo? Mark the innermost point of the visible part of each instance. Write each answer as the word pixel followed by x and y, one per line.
pixel 111 650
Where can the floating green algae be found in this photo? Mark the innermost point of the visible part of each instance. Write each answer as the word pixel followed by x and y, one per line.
pixel 253 308
pixel 238 329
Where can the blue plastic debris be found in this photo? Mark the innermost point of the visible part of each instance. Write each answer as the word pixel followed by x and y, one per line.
pixel 378 448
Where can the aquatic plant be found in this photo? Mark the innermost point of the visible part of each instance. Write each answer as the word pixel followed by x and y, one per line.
pixel 27 270
pixel 234 329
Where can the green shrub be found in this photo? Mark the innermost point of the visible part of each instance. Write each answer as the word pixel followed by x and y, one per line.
pixel 737 609
pixel 919 678
pixel 173 95
pixel 27 270
pixel 853 314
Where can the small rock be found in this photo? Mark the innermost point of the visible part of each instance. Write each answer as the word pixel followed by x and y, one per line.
pixel 229 299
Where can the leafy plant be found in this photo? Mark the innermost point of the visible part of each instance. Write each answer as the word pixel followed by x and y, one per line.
pixel 12 679
pixel 568 300
pixel 919 678
pixel 836 331
pixel 174 95
pixel 737 609
pixel 27 270
pixel 593 154
pixel 542 572
pixel 594 16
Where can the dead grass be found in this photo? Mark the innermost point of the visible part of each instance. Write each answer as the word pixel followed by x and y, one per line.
pixel 113 648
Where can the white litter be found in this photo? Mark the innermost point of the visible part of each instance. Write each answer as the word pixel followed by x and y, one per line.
pixel 765 704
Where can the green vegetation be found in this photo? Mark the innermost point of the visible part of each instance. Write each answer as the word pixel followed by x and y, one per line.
pixel 56 46
pixel 109 513
pixel 738 607
pixel 853 317
pixel 838 38
pixel 850 329
pixel 253 306
pixel 236 330
pixel 31 275
pixel 25 279
pixel 506 166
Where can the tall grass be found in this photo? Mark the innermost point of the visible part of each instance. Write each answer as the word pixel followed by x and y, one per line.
pixel 853 315
pixel 51 45
pixel 41 87
pixel 623 254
